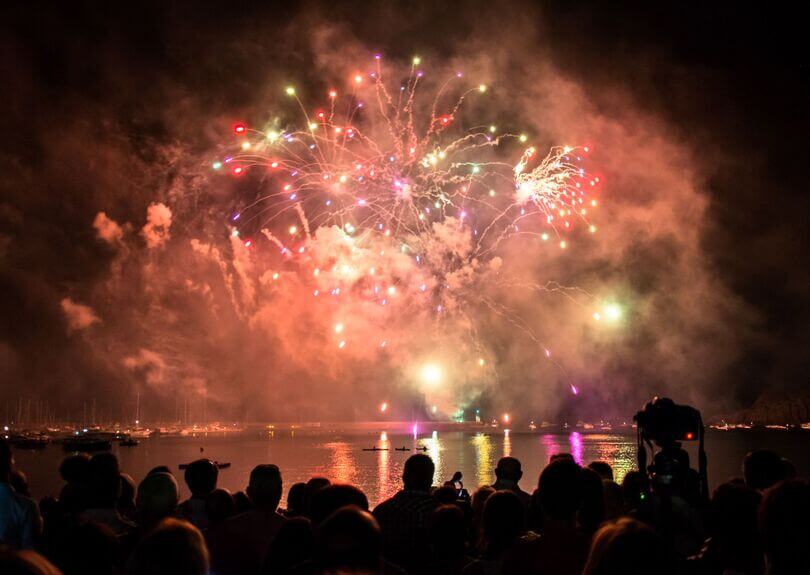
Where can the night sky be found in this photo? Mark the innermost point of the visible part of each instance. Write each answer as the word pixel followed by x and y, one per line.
pixel 115 107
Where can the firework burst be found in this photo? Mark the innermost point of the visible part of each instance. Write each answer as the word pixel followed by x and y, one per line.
pixel 393 208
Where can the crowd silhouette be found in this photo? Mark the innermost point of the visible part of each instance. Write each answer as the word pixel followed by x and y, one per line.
pixel 576 521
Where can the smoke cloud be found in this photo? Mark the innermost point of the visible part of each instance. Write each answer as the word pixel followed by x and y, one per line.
pixel 192 315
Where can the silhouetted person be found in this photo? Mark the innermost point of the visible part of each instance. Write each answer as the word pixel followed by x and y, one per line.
pixel 479 499
pixel 447 534
pixel 591 513
pixel 293 544
pixel 733 545
pixel 503 525
pixel 614 499
pixel 508 473
pixel 156 499
pixel 349 541
pixel 332 497
pixel 160 469
pixel 20 522
pixel 104 490
pixel 603 468
pixel 296 500
pixel 88 549
pixel 19 482
pixel 403 517
pixel 313 486
pixel 201 477
pixel 784 520
pixel 25 563
pixel 628 547
pixel 126 500
pixel 74 470
pixel 562 547
pixel 219 506
pixel 763 468
pixel 174 547
pixel 633 490
pixel 240 545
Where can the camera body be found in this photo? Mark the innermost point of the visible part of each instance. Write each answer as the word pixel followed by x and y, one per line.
pixel 667 423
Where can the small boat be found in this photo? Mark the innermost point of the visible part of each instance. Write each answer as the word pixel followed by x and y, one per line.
pixel 401 449
pixel 423 448
pixel 224 465
pixel 128 442
pixel 375 449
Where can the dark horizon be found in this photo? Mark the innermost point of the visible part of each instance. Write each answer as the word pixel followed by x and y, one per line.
pixel 698 116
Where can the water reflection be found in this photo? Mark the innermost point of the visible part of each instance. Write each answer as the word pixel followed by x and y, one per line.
pixel 507 443
pixel 616 451
pixel 550 445
pixel 435 453
pixel 383 475
pixel 483 458
pixel 343 468
pixel 575 441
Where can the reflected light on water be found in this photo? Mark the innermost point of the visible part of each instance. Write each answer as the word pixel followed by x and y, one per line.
pixel 383 475
pixel 435 453
pixel 483 458
pixel 575 441
pixel 507 443
pixel 343 468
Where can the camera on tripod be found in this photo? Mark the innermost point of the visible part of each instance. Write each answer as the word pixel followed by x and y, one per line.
pixel 667 424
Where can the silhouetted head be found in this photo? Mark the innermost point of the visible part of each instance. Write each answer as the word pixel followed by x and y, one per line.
pixel 603 468
pixel 75 468
pixel 733 527
pixel 632 489
pixel 293 544
pixel 504 520
pixel 447 493
pixel 160 469
pixel 563 456
pixel 614 500
pixel 126 499
pixel 25 563
pixel 763 468
pixel 631 548
pixel 156 498
pixel 591 513
pixel 89 549
pixel 560 489
pixel 509 468
pixel 264 487
pixel 6 461
pixel 447 532
pixel 296 499
pixel 332 497
pixel 784 520
pixel 19 481
pixel 418 473
pixel 104 481
pixel 219 505
pixel 349 539
pixel 201 477
pixel 174 547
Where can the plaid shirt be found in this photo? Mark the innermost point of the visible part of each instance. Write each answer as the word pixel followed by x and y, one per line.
pixel 403 521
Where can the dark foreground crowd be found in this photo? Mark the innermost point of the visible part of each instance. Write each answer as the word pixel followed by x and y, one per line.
pixel 577 521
